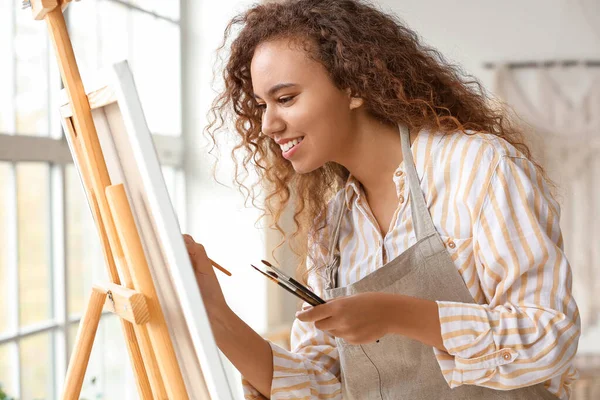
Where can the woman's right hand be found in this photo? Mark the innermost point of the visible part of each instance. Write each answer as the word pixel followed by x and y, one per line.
pixel 209 286
pixel 246 349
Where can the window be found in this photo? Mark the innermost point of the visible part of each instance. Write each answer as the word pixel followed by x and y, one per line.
pixel 50 254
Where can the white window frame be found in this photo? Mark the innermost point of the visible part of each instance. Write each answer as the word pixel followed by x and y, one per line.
pixel 54 151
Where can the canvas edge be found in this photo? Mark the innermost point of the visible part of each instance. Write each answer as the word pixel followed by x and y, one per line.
pixel 183 277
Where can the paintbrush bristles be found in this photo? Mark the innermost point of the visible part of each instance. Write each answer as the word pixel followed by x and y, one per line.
pixel 273 274
pixel 262 272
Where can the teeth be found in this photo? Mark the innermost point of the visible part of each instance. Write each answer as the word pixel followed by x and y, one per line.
pixel 287 146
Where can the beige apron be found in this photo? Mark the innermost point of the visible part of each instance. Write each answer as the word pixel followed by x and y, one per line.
pixel 397 367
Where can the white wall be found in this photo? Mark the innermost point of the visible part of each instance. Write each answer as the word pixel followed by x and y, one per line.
pixel 216 216
pixel 471 32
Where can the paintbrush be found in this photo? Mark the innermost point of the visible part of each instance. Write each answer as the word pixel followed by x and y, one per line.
pixel 295 283
pixel 274 280
pixel 217 266
pixel 293 290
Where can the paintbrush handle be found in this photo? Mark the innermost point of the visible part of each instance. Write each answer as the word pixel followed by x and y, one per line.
pixel 308 299
pixel 307 291
pixel 288 279
pixel 298 293
pixel 291 291
pixel 286 285
pixel 217 266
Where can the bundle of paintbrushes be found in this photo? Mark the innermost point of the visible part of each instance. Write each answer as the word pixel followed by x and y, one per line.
pixel 290 284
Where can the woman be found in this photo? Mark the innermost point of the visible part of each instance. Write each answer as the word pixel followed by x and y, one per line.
pixel 432 234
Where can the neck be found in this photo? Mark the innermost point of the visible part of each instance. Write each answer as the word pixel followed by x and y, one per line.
pixel 372 156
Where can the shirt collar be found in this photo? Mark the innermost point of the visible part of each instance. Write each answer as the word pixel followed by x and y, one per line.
pixel 352 188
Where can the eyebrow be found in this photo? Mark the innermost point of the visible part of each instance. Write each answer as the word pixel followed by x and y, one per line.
pixel 276 88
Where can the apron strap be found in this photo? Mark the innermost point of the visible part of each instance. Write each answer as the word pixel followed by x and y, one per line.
pixel 333 245
pixel 422 222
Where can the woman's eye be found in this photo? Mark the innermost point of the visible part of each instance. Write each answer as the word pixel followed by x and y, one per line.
pixel 282 100
pixel 285 99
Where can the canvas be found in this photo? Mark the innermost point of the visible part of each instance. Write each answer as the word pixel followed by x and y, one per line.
pixel 132 160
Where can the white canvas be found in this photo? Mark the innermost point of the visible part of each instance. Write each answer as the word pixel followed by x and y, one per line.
pixel 132 160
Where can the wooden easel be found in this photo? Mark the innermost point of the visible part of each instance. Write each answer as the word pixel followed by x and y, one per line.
pixel 135 300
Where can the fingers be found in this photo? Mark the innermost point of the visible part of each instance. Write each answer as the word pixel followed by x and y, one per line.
pixel 189 240
pixel 316 313
pixel 327 324
pixel 197 254
pixel 193 247
pixel 190 245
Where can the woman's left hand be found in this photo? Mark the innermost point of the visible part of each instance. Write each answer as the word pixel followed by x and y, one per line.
pixel 358 319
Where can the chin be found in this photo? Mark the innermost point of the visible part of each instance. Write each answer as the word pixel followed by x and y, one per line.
pixel 300 170
pixel 304 168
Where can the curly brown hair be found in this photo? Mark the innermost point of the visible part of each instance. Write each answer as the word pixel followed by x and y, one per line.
pixel 365 50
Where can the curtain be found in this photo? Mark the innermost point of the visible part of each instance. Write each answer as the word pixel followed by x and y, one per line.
pixel 559 108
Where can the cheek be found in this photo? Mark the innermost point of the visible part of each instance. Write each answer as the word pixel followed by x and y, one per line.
pixel 318 150
pixel 311 158
pixel 329 140
pixel 323 145
pixel 322 112
pixel 324 125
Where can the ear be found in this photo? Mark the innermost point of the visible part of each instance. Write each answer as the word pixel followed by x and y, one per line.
pixel 355 102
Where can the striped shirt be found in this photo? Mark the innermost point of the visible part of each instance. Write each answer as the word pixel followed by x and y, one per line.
pixel 500 224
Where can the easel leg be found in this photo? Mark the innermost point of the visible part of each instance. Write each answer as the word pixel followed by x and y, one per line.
pixel 150 363
pixel 135 355
pixel 83 345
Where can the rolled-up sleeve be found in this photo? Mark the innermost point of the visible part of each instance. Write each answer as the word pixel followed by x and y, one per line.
pixel 310 371
pixel 529 329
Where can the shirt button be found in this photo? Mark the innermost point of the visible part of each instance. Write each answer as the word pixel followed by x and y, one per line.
pixel 401 199
pixel 452 245
pixel 398 173
pixel 506 355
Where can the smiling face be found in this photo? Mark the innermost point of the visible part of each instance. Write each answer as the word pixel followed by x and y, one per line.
pixel 303 111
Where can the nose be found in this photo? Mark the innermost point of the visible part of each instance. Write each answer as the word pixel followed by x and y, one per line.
pixel 272 123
